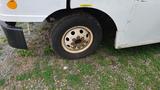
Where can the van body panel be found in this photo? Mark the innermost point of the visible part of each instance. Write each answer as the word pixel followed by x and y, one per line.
pixel 30 10
pixel 137 21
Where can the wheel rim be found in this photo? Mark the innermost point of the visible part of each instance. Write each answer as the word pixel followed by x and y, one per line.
pixel 77 39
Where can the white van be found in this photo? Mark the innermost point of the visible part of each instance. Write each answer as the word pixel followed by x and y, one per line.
pixel 78 30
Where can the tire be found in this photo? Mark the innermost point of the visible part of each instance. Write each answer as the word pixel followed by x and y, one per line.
pixel 79 45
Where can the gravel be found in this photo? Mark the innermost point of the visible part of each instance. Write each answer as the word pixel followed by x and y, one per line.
pixel 6 52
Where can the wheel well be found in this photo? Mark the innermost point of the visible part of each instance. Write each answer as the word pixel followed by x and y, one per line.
pixel 58 14
pixel 108 25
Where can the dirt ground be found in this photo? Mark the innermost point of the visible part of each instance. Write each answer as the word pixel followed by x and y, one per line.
pixel 5 52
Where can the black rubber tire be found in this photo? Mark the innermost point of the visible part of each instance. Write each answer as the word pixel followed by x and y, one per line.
pixel 67 22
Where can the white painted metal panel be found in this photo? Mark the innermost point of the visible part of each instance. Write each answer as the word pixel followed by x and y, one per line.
pixel 143 26
pixel 30 10
pixel 118 10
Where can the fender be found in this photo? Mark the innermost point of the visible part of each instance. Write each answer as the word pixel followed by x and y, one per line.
pixel 30 10
pixel 118 10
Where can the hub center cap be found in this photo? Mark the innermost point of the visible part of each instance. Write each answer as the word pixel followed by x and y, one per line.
pixel 77 39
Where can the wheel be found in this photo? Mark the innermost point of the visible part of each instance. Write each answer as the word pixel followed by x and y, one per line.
pixel 76 36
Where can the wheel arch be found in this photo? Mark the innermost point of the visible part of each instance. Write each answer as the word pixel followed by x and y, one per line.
pixel 100 15
pixel 93 11
pixel 106 21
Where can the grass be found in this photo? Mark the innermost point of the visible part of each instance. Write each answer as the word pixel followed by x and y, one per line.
pixel 25 53
pixel 25 76
pixel 74 80
pixel 85 69
pixel 3 40
pixel 2 82
pixel 108 69
pixel 47 74
pixel 41 71
pixel 48 50
pixel 1 53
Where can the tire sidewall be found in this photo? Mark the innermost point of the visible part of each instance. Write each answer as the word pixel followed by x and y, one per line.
pixel 71 21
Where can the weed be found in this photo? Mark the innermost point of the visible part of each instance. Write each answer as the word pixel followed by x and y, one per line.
pixel 25 53
pixel 3 40
pixel 48 50
pixel 22 77
pixel 74 79
pixel 2 82
pixel 47 74
pixel 85 69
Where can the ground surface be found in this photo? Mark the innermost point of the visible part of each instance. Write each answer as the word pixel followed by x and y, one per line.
pixel 39 68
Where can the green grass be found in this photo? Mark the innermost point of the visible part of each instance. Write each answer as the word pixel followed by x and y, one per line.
pixel 2 82
pixel 3 40
pixel 108 69
pixel 104 84
pixel 48 50
pixel 74 80
pixel 1 53
pixel 85 69
pixel 41 71
pixel 101 60
pixel 25 53
pixel 25 76
pixel 47 74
